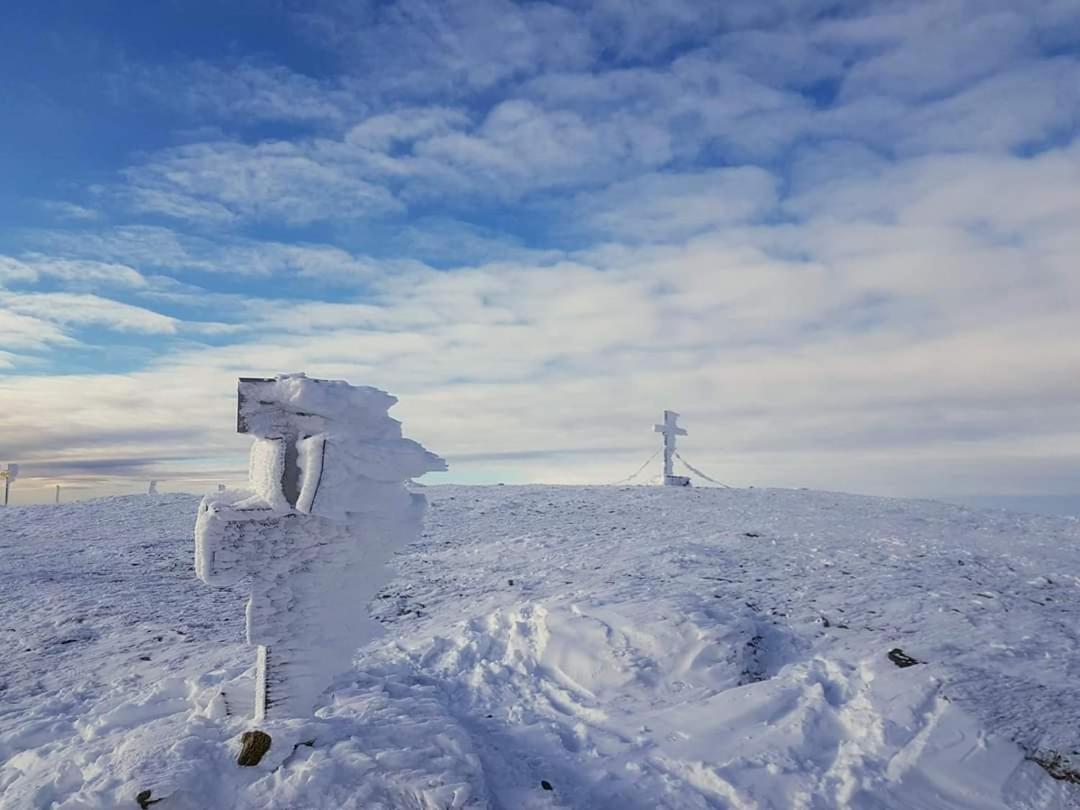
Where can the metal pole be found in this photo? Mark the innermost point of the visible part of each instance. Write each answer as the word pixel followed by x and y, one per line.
pixel 7 488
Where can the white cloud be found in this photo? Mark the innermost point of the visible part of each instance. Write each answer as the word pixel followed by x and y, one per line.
pixel 553 137
pixel 426 49
pixel 282 181
pixel 406 125
pixel 1025 106
pixel 161 250
pixel 908 315
pixel 22 331
pixel 249 92
pixel 70 211
pixel 493 100
pixel 87 310
pixel 675 205
pixel 842 244
pixel 927 49
pixel 135 245
pixel 12 269
pixel 73 272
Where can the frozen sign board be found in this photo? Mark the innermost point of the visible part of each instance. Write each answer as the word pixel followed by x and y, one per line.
pixel 325 507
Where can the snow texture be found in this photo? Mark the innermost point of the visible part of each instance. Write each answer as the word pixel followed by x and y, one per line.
pixel 326 509
pixel 634 648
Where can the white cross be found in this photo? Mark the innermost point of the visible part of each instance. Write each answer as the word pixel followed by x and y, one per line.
pixel 670 430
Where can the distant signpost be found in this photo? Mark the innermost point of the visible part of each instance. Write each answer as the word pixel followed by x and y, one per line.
pixel 9 475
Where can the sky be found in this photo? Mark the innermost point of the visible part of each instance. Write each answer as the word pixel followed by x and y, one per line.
pixel 840 238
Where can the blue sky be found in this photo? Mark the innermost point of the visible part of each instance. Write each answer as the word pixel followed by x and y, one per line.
pixel 841 238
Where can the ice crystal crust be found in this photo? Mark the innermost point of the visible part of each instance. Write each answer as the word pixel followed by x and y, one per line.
pixel 325 509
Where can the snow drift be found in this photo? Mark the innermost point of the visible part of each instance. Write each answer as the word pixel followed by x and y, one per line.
pixel 631 648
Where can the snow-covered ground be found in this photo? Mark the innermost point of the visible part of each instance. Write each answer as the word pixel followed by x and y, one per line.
pixel 558 647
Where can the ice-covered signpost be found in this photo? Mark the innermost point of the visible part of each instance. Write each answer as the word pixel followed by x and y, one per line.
pixel 670 430
pixel 326 507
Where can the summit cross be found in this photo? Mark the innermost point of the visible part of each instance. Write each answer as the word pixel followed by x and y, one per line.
pixel 670 429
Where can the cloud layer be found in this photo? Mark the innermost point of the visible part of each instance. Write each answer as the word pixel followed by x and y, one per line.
pixel 840 239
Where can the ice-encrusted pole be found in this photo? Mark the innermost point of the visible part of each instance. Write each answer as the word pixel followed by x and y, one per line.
pixel 325 508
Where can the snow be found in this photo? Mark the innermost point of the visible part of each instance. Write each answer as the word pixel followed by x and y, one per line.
pixel 325 509
pixel 631 647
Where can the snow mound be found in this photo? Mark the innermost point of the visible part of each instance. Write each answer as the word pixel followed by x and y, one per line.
pixel 564 647
pixel 683 706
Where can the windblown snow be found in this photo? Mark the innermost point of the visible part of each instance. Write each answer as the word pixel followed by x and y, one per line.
pixel 558 647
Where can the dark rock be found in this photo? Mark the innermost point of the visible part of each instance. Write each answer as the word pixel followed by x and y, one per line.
pixel 253 745
pixel 546 785
pixel 143 799
pixel 1056 765
pixel 902 659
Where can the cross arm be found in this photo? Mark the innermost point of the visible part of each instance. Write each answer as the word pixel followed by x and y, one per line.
pixel 678 431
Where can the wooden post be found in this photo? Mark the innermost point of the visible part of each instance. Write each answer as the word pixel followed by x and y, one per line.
pixel 9 475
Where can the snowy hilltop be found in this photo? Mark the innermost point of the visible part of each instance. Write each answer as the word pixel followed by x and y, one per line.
pixel 567 647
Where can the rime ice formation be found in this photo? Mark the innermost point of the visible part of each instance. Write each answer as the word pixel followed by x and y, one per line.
pixel 325 509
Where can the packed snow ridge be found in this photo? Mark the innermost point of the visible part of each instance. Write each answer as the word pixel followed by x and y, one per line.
pixel 560 647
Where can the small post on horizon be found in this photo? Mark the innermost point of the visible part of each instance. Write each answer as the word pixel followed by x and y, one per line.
pixel 670 429
pixel 9 475
pixel 57 494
